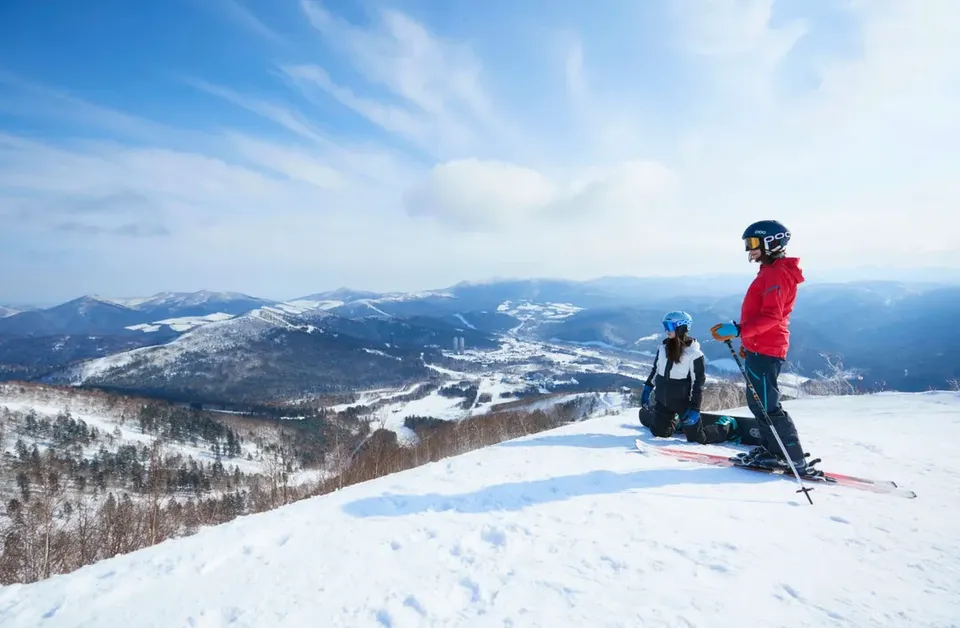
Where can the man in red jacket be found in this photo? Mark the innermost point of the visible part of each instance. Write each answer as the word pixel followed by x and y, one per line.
pixel 765 338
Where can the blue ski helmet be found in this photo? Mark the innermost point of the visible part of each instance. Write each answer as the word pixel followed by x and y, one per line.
pixel 674 320
pixel 770 235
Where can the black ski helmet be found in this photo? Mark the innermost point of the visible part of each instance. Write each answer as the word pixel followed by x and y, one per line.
pixel 771 236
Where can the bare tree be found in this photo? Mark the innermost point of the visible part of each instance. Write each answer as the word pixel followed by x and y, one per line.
pixel 792 367
pixel 831 381
pixel 155 477
pixel 339 458
pixel 53 513
pixel 279 460
pixel 379 419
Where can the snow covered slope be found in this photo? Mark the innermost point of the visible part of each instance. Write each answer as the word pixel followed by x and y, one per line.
pixel 181 324
pixel 571 528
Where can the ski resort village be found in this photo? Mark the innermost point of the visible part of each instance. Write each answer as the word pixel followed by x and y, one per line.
pixel 529 314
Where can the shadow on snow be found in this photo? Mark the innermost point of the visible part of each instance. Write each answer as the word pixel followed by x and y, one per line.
pixel 587 441
pixel 515 496
pixel 608 441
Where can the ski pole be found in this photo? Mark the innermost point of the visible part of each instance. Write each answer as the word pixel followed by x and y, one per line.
pixel 803 489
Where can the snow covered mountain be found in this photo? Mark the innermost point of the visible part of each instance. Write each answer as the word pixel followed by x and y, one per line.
pixel 879 330
pixel 37 342
pixel 196 304
pixel 570 528
pixel 7 311
pixel 85 315
pixel 271 354
pixel 100 315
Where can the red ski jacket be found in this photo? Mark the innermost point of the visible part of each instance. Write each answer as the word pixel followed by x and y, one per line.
pixel 765 314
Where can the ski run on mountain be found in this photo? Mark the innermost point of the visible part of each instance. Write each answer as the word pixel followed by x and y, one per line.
pixel 571 527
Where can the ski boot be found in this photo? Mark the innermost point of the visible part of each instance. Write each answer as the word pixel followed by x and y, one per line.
pixel 761 457
pixel 805 468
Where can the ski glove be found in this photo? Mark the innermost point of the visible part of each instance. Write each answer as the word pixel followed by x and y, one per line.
pixel 725 331
pixel 645 397
pixel 691 417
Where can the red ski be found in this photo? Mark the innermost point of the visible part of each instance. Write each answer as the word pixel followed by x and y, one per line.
pixel 839 479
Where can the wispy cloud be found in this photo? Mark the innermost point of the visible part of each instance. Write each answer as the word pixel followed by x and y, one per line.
pixel 393 152
pixel 25 98
pixel 438 100
pixel 128 230
pixel 245 18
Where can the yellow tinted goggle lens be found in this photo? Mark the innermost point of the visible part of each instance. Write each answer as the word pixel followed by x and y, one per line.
pixel 751 244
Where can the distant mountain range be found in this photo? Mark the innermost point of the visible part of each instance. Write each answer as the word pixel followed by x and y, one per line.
pixel 267 355
pixel 228 345
pixel 98 315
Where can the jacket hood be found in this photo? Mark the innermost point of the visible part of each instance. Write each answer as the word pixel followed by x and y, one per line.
pixel 790 266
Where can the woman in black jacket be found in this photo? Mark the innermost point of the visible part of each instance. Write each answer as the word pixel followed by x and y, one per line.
pixel 678 378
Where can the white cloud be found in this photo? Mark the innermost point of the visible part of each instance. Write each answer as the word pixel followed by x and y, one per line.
pixel 454 178
pixel 497 196
pixel 294 163
pixel 477 194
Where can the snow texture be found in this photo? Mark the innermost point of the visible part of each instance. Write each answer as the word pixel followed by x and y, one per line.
pixel 525 310
pixel 571 528
pixel 181 324
pixel 215 335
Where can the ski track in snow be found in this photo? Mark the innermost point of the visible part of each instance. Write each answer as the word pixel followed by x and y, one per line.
pixel 571 528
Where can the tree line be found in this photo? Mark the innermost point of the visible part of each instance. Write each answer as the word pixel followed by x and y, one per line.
pixel 75 493
pixel 56 523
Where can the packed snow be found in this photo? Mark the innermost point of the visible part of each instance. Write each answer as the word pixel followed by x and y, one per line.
pixel 527 311
pixel 300 306
pixel 571 528
pixel 370 397
pixel 217 335
pixel 181 324
pixel 180 299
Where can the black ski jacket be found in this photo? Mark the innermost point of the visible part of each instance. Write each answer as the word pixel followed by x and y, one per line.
pixel 679 386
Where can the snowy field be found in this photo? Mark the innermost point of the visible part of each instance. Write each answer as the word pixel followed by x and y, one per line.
pixel 392 416
pixel 82 408
pixel 183 323
pixel 571 528
pixel 503 370
pixel 520 356
pixel 528 311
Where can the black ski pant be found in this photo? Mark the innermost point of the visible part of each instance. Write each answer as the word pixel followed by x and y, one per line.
pixel 662 422
pixel 763 371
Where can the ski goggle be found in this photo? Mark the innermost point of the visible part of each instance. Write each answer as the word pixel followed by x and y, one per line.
pixel 672 325
pixel 752 243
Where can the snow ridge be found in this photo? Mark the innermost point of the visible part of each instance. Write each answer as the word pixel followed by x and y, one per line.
pixel 570 528
pixel 211 337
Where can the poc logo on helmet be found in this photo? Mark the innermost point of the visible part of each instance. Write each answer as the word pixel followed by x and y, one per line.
pixel 777 236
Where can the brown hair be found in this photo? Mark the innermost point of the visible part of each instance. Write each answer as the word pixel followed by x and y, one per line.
pixel 677 344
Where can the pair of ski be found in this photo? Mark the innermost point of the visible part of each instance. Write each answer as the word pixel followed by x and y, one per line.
pixel 836 479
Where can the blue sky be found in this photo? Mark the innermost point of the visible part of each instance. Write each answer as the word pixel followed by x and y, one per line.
pixel 284 147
